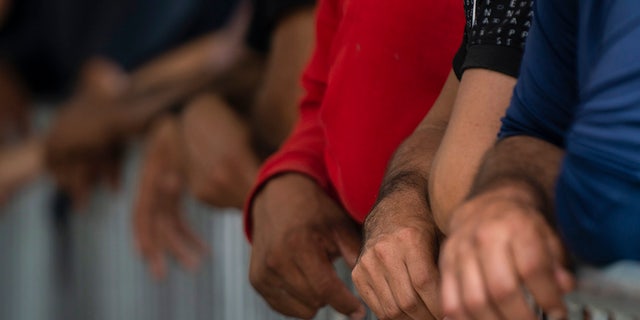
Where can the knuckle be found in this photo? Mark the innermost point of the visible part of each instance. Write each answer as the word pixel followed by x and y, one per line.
pixel 487 236
pixel 272 262
pixel 422 281
pixel 409 306
pixel 357 275
pixel 475 302
pixel 408 234
pixel 364 263
pixel 382 251
pixel 393 311
pixel 531 268
pixel 501 291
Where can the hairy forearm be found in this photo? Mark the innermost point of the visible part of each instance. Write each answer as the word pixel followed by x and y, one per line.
pixel 409 168
pixel 524 163
pixel 482 99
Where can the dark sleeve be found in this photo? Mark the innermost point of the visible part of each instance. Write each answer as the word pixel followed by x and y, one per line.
pixel 266 16
pixel 495 35
pixel 598 191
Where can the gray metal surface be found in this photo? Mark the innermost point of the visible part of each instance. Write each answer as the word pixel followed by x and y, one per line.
pixel 96 273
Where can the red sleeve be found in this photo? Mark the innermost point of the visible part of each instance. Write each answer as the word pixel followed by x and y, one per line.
pixel 303 152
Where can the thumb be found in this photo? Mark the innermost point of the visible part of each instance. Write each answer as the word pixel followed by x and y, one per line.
pixel 349 242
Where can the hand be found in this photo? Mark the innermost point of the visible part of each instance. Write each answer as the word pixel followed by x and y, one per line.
pixel 220 163
pixel 500 244
pixel 83 145
pixel 14 109
pixel 159 226
pixel 297 233
pixel 397 273
pixel 18 165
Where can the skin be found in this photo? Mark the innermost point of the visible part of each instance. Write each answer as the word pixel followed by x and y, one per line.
pixel 4 9
pixel 14 110
pixel 501 239
pixel 276 108
pixel 159 226
pixel 219 162
pixel 220 154
pixel 84 144
pixel 298 232
pixel 430 174
pixel 18 165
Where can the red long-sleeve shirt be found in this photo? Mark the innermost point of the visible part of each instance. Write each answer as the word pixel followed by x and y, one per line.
pixel 377 68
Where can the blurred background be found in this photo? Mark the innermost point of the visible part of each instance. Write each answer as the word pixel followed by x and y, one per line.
pixel 130 135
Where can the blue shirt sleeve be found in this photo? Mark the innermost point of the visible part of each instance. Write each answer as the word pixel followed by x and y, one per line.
pixel 598 192
pixel 580 90
pixel 546 90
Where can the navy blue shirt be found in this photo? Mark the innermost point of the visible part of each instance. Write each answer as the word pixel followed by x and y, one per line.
pixel 48 41
pixel 579 88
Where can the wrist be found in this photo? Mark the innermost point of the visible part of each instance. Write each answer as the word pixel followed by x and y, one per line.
pixel 518 189
pixel 288 187
pixel 505 190
pixel 403 207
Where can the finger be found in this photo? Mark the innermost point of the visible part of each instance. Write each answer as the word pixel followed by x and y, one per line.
pixel 295 283
pixel 190 235
pixel 143 207
pixel 283 302
pixel 472 287
pixel 79 176
pixel 424 277
pixel 565 279
pixel 503 285
pixel 143 229
pixel 325 282
pixel 386 306
pixel 270 286
pixel 156 261
pixel 361 279
pixel 407 300
pixel 186 247
pixel 451 299
pixel 534 264
pixel 176 246
pixel 563 276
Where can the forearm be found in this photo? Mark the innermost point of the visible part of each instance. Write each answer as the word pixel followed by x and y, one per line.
pixel 482 99
pixel 275 110
pixel 406 180
pixel 200 59
pixel 410 166
pixel 525 165
pixel 172 77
